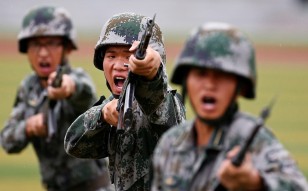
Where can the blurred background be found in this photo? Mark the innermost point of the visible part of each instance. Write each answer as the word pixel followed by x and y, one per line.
pixel 279 29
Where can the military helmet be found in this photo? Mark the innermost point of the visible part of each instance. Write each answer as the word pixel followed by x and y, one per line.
pixel 222 47
pixel 124 29
pixel 46 21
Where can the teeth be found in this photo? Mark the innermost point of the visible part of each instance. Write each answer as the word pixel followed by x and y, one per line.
pixel 119 78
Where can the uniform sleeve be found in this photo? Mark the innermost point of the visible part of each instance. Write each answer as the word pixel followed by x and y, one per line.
pixel 161 104
pixel 276 166
pixel 88 136
pixel 85 94
pixel 13 135
pixel 150 94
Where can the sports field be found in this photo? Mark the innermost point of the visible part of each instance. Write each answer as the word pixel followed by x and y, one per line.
pixel 282 71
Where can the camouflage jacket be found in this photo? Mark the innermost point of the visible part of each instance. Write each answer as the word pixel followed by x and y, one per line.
pixel 58 170
pixel 155 109
pixel 180 165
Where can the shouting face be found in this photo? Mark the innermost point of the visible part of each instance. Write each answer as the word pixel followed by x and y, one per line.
pixel 114 69
pixel 45 54
pixel 210 91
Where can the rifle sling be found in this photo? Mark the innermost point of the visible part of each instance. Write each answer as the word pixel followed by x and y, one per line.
pixel 212 150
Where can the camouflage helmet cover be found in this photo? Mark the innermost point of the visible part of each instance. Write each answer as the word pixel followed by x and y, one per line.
pixel 46 21
pixel 222 47
pixel 124 29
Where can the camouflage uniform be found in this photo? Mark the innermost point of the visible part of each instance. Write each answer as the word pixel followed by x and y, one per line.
pixel 59 171
pixel 155 109
pixel 177 160
pixel 179 164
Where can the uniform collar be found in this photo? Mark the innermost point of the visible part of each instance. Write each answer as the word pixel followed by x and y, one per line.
pixel 187 139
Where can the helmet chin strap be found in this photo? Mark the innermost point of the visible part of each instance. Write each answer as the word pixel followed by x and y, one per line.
pixel 114 95
pixel 183 91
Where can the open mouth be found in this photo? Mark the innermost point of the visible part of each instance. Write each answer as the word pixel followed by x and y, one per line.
pixel 119 81
pixel 45 68
pixel 44 65
pixel 209 102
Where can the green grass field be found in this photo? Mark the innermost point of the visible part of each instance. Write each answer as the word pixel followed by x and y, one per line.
pixel 289 119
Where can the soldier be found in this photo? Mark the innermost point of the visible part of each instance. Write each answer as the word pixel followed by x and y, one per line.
pixel 47 37
pixel 97 133
pixel 215 68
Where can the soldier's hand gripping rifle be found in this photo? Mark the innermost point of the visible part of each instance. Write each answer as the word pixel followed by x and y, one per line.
pixel 127 95
pixel 239 158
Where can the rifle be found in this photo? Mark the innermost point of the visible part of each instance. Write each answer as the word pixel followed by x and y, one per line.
pixel 50 115
pixel 127 95
pixel 238 159
pixel 56 83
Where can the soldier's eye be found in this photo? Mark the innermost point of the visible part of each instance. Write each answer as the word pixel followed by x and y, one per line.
pixel 109 56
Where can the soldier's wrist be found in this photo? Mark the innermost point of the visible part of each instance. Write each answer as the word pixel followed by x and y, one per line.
pixel 256 182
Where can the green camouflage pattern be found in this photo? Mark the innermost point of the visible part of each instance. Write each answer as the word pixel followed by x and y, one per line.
pixel 222 47
pixel 58 170
pixel 177 159
pixel 124 29
pixel 155 109
pixel 46 21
